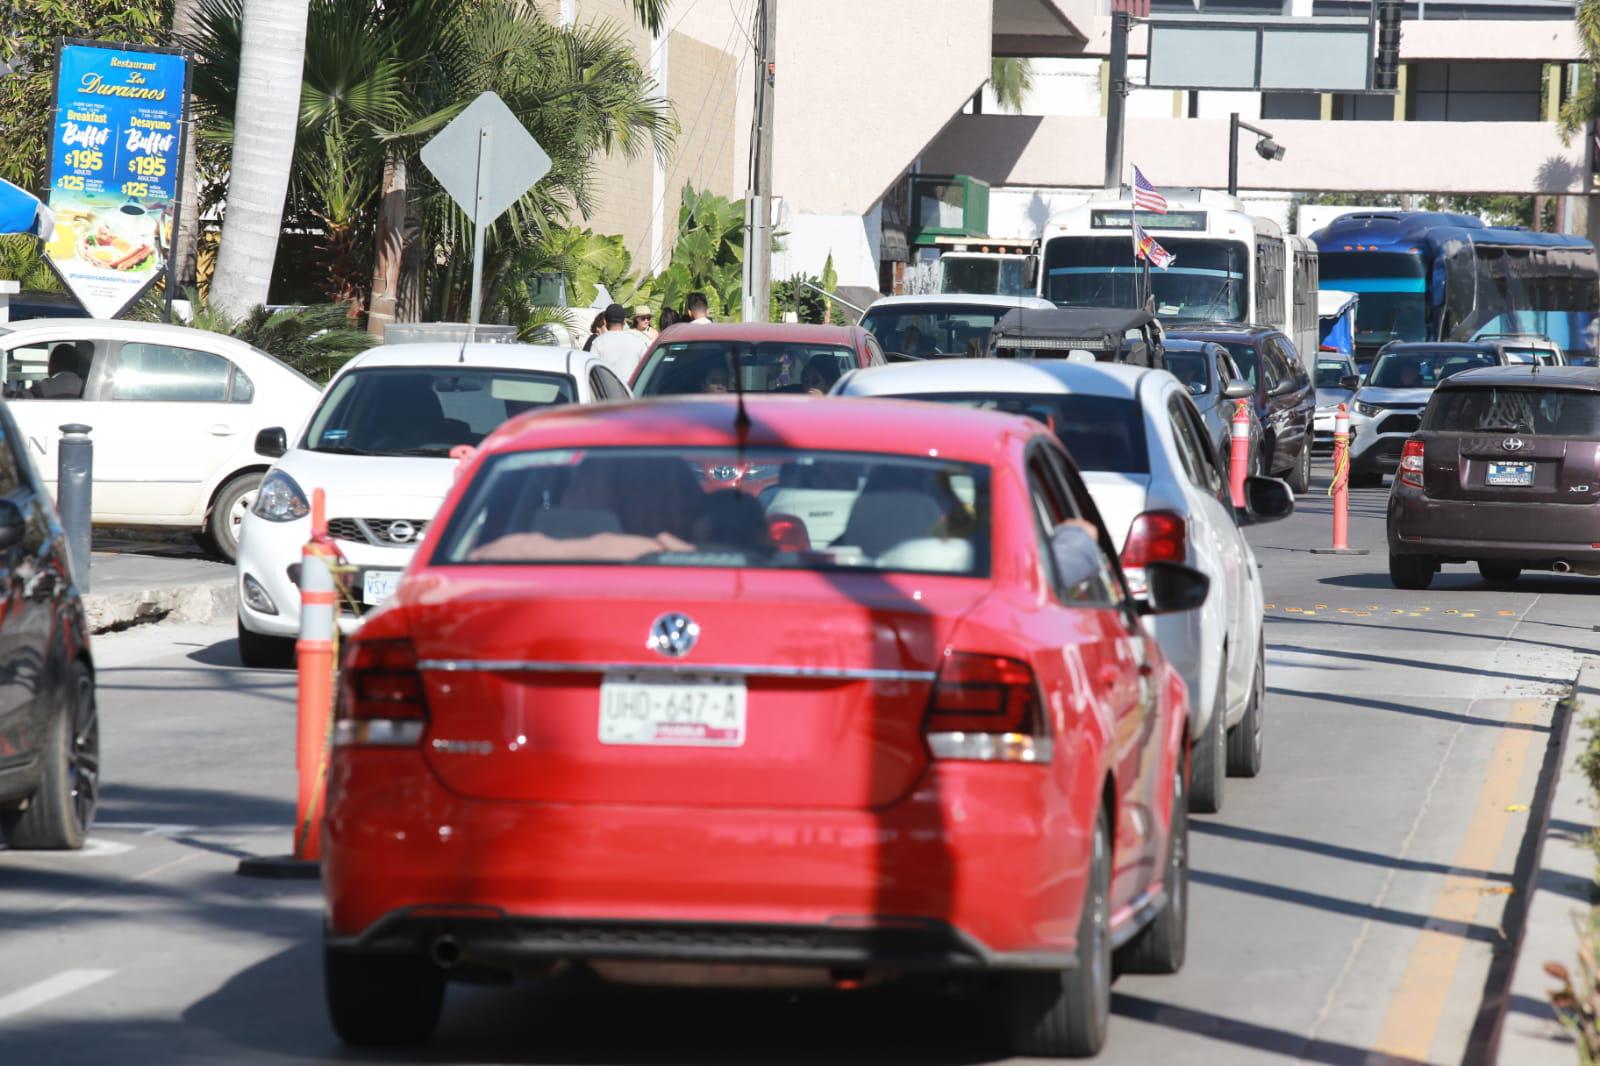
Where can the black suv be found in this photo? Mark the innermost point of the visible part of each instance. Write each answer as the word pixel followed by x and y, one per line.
pixel 1285 396
pixel 49 732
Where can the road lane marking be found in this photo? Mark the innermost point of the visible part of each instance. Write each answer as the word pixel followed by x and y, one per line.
pixel 62 984
pixel 1417 1006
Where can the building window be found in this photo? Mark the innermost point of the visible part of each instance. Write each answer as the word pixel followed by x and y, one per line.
pixel 1291 105
pixel 1475 92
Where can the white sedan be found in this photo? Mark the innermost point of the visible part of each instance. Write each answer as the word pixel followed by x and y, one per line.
pixel 379 447
pixel 174 413
pixel 1157 481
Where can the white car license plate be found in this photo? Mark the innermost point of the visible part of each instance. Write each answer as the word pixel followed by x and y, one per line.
pixel 378 585
pixel 1509 474
pixel 686 710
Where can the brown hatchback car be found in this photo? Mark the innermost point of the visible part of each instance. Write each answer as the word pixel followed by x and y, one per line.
pixel 1504 472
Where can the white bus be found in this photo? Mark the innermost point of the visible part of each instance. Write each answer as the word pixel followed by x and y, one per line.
pixel 1230 266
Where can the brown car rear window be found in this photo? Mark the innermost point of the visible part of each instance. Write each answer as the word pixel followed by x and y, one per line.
pixel 1535 412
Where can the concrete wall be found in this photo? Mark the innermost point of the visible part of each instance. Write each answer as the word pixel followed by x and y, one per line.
pixel 1454 157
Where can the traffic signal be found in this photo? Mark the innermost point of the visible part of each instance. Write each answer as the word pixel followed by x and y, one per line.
pixel 1386 71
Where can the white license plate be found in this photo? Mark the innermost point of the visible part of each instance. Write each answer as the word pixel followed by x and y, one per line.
pixel 686 710
pixel 378 585
pixel 1509 474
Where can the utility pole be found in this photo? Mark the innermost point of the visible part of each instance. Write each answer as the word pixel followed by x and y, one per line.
pixel 758 195
pixel 1116 103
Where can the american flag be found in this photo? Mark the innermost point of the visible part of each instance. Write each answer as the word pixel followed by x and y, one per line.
pixel 1145 197
pixel 1145 247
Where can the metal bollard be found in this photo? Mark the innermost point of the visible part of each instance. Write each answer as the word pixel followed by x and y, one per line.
pixel 74 491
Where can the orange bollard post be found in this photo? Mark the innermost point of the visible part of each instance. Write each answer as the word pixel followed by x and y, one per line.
pixel 1239 452
pixel 1339 488
pixel 314 706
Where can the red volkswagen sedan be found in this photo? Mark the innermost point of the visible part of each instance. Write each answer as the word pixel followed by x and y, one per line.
pixel 891 713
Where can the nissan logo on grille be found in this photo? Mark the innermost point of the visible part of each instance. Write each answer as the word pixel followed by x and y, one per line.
pixel 401 532
pixel 673 635
pixel 1512 444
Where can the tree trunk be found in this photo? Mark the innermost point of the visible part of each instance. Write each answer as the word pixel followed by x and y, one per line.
pixel 383 307
pixel 186 242
pixel 272 56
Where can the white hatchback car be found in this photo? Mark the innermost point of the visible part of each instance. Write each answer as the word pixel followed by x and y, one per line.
pixel 174 413
pixel 379 447
pixel 1145 455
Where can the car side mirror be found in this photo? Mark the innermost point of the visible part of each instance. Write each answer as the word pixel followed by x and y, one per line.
pixel 1283 387
pixel 1172 588
pixel 1266 499
pixel 1238 390
pixel 13 525
pixel 1030 272
pixel 1350 381
pixel 272 443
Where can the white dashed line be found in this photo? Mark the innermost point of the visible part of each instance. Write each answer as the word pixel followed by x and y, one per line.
pixel 62 984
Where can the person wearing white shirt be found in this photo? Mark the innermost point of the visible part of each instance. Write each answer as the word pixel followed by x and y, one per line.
pixel 620 348
pixel 697 307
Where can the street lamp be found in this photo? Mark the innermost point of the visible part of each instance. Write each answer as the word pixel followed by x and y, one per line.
pixel 1266 148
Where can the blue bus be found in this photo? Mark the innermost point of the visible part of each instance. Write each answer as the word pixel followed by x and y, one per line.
pixel 1427 275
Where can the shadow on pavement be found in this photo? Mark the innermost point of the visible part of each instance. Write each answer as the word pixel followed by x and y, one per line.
pixel 1483 934
pixel 207 808
pixel 1335 851
pixel 1247 1034
pixel 1409 709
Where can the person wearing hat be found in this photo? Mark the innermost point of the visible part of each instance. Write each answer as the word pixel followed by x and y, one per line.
pixel 642 322
pixel 618 347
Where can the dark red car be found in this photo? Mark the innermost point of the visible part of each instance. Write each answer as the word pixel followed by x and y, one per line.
pixel 672 732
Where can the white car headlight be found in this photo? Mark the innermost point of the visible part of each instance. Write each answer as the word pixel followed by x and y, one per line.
pixel 1370 410
pixel 280 499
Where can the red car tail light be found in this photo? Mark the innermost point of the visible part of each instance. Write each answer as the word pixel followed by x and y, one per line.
pixel 788 533
pixel 1154 537
pixel 381 701
pixel 1411 464
pixel 986 708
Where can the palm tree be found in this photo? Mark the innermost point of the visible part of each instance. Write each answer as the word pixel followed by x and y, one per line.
pixel 185 243
pixel 1584 104
pixel 1011 78
pixel 271 57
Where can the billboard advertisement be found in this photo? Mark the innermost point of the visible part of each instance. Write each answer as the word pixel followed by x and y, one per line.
pixel 116 158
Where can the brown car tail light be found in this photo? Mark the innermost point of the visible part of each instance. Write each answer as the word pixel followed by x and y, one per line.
pixel 381 700
pixel 986 708
pixel 1411 464
pixel 1154 537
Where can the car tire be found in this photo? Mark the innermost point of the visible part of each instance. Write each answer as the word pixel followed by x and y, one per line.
pixel 1210 760
pixel 1497 572
pixel 1161 945
pixel 1245 739
pixel 382 1001
pixel 221 536
pixel 1412 571
pixel 60 812
pixel 1300 476
pixel 261 651
pixel 1064 1013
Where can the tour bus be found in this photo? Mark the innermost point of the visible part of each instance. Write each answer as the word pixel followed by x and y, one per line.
pixel 1229 266
pixel 1426 275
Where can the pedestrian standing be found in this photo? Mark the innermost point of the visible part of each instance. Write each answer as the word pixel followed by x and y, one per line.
pixel 697 308
pixel 617 346
pixel 597 327
pixel 642 318
pixel 669 317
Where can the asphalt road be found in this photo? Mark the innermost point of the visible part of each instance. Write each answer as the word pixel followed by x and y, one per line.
pixel 1347 905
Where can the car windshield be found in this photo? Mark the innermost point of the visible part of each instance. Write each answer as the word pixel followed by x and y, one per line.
pixel 1422 370
pixel 789 509
pixel 932 330
pixel 707 366
pixel 1101 432
pixel 426 410
pixel 1190 368
pixel 1535 412
pixel 1330 373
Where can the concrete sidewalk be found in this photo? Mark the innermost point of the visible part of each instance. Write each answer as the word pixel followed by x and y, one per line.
pixel 1564 890
pixel 134 581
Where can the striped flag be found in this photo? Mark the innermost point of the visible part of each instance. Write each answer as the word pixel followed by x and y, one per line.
pixel 1145 247
pixel 1145 197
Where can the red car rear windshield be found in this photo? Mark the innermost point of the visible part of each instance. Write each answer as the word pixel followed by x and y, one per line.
pixel 763 508
pixel 707 366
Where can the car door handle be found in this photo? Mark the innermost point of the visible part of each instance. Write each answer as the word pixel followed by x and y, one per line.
pixel 222 429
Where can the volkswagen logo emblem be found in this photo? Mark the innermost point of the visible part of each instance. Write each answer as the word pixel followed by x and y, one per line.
pixel 402 532
pixel 673 635
pixel 1512 444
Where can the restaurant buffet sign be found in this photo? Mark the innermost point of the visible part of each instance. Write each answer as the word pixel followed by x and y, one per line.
pixel 116 165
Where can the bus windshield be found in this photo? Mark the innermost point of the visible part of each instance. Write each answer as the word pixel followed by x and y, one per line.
pixel 1393 302
pixel 1205 283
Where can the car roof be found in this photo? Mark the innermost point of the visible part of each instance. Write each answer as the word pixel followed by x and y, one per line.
pixel 972 299
pixel 1187 344
pixel 799 332
pixel 1117 380
pixel 118 329
pixel 1526 375
pixel 1481 348
pixel 1213 330
pixel 823 423
pixel 495 356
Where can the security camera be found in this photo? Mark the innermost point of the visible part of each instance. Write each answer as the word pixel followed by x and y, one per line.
pixel 1269 149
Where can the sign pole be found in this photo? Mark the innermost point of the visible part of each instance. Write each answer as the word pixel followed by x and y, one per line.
pixel 479 225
